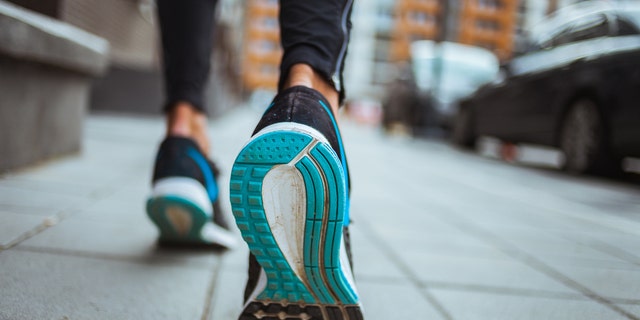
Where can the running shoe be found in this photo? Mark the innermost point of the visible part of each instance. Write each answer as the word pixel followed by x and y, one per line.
pixel 289 194
pixel 184 201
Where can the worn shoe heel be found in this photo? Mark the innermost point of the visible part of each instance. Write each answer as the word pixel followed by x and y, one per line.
pixel 180 207
pixel 289 194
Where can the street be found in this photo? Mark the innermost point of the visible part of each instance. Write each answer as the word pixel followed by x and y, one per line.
pixel 437 233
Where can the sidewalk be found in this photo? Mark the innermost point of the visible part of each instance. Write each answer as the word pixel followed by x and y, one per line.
pixel 438 234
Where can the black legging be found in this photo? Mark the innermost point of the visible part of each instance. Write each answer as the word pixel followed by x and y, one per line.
pixel 314 32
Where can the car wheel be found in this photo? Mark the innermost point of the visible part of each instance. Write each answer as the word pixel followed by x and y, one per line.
pixel 463 133
pixel 583 139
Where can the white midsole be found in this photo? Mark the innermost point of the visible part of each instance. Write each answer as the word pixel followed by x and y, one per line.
pixel 185 188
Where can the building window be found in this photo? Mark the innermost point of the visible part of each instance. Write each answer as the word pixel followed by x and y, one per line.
pixel 263 46
pixel 270 23
pixel 487 25
pixel 420 18
pixel 489 4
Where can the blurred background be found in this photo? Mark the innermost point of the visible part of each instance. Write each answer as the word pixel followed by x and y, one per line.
pixel 413 69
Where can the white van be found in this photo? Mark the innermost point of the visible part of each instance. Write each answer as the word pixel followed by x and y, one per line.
pixel 462 69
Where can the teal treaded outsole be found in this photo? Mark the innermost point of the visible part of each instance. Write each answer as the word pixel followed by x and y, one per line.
pixel 324 179
pixel 158 210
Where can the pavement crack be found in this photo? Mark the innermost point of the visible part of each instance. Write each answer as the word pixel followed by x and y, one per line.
pixel 208 302
pixel 499 290
pixel 453 219
pixel 413 277
pixel 46 223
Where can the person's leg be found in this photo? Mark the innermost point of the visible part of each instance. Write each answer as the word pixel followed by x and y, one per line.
pixel 289 184
pixel 302 74
pixel 315 34
pixel 186 29
pixel 184 202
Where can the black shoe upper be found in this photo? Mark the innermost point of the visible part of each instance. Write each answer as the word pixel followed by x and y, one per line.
pixel 172 161
pixel 309 107
pixel 302 105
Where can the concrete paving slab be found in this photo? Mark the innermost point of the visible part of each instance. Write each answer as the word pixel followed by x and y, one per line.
pixel 227 300
pixel 621 241
pixel 373 264
pixel 120 241
pixel 483 272
pixel 370 260
pixel 455 244
pixel 387 210
pixel 69 188
pixel 613 283
pixel 631 308
pixel 47 286
pixel 28 209
pixel 560 262
pixel 48 203
pixel 543 243
pixel 13 226
pixel 114 211
pixel 474 305
pixel 133 194
pixel 75 168
pixel 395 300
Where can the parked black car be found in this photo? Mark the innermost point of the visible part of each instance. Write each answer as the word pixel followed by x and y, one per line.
pixel 577 88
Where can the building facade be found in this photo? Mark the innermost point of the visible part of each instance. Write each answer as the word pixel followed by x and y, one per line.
pixel 489 24
pixel 261 50
pixel 414 20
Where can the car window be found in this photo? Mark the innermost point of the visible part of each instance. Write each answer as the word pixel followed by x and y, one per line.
pixel 589 28
pixel 633 16
pixel 563 37
pixel 625 27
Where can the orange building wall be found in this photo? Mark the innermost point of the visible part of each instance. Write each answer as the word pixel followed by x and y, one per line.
pixel 490 24
pixel 262 51
pixel 486 23
pixel 415 20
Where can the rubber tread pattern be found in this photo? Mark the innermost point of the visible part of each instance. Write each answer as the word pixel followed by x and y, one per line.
pixel 297 312
pixel 249 170
pixel 334 173
pixel 318 167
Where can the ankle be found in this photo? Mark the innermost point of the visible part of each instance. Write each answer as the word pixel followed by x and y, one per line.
pixel 303 75
pixel 184 120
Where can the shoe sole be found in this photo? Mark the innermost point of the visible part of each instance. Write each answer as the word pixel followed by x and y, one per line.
pixel 179 208
pixel 311 284
pixel 177 219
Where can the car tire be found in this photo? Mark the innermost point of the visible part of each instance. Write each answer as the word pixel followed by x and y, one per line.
pixel 463 133
pixel 583 140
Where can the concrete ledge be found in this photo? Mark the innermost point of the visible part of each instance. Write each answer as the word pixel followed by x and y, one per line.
pixel 47 69
pixel 30 36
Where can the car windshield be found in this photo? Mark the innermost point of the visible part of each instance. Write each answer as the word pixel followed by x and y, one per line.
pixel 542 35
